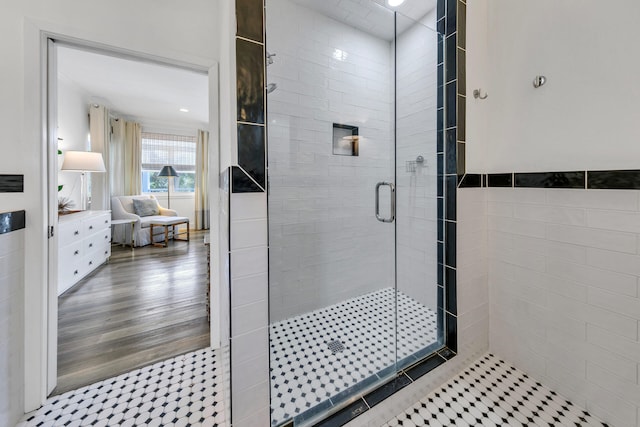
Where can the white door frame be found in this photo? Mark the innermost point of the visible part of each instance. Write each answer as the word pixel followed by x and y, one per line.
pixel 40 296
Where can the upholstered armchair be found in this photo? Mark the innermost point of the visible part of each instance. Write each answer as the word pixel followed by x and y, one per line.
pixel 122 208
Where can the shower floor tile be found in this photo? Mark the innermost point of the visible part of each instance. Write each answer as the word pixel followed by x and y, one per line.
pixel 185 390
pixel 317 355
pixel 493 393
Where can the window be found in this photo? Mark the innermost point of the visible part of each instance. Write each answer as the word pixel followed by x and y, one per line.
pixel 178 151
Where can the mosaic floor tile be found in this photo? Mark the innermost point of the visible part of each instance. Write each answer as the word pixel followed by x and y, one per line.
pixel 317 355
pixel 493 393
pixel 183 391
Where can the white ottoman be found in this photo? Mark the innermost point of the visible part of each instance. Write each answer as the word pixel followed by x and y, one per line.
pixel 170 221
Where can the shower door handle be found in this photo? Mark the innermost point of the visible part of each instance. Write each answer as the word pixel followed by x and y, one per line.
pixel 392 189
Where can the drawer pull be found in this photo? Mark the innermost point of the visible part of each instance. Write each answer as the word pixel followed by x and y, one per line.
pixel 91 227
pixel 75 233
pixel 76 252
pixel 106 237
pixel 105 252
pixel 75 272
pixel 90 262
pixel 106 221
pixel 90 245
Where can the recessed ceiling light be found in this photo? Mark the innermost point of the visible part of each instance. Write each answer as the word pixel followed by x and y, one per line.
pixel 340 55
pixel 394 3
pixel 184 110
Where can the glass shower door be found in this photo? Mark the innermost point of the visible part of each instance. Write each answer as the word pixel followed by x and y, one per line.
pixel 331 169
pixel 352 202
pixel 418 231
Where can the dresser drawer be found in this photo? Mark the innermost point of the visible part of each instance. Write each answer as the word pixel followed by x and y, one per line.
pixel 69 232
pixel 69 274
pixel 93 260
pixel 84 243
pixel 96 240
pixel 70 253
pixel 92 225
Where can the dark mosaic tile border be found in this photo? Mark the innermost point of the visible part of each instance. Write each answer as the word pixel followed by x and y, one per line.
pixel 11 183
pixel 12 221
pixel 624 179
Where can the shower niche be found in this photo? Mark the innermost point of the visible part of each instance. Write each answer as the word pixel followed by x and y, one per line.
pixel 354 297
pixel 346 141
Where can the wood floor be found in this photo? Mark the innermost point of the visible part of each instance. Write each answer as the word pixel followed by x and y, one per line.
pixel 144 306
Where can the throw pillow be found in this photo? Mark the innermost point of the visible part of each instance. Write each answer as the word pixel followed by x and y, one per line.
pixel 145 207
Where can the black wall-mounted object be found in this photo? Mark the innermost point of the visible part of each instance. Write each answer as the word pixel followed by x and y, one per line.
pixel 12 221
pixel 11 183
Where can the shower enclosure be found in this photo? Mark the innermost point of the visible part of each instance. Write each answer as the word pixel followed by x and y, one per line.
pixel 352 120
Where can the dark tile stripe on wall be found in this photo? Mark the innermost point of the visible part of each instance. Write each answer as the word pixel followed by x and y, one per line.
pixel 250 23
pixel 11 183
pixel 250 71
pixel 470 180
pixel 454 111
pixel 251 152
pixel 550 180
pixel 610 179
pixel 12 221
pixel 500 180
pixel 241 183
pixel 614 179
pixel 250 82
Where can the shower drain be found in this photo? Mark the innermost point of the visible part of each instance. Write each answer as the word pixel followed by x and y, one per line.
pixel 336 346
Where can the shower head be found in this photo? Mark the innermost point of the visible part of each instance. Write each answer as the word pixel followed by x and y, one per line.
pixel 270 58
pixel 271 87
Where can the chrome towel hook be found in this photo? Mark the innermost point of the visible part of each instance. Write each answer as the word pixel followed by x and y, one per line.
pixel 539 81
pixel 477 93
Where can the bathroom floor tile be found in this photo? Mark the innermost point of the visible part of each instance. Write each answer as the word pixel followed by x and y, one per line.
pixel 316 356
pixel 184 390
pixel 493 393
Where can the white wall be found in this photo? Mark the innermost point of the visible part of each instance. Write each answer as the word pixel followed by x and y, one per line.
pixel 416 131
pixel 325 242
pixel 478 77
pixel 249 265
pixel 563 277
pixel 181 32
pixel 586 116
pixel 73 128
pixel 565 306
pixel 11 326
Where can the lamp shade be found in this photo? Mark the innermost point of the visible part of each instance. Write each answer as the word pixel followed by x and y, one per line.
pixel 83 161
pixel 168 171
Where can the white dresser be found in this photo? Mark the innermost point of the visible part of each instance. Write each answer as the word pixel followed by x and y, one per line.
pixel 84 244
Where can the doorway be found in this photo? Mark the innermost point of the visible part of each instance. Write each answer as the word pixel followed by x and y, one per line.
pixel 145 304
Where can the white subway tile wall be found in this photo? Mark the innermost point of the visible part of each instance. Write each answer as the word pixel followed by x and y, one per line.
pixel 11 327
pixel 326 245
pixel 249 309
pixel 564 286
pixel 416 183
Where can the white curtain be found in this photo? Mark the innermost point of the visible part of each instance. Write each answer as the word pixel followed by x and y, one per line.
pixel 116 158
pixel 100 132
pixel 202 180
pixel 132 159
